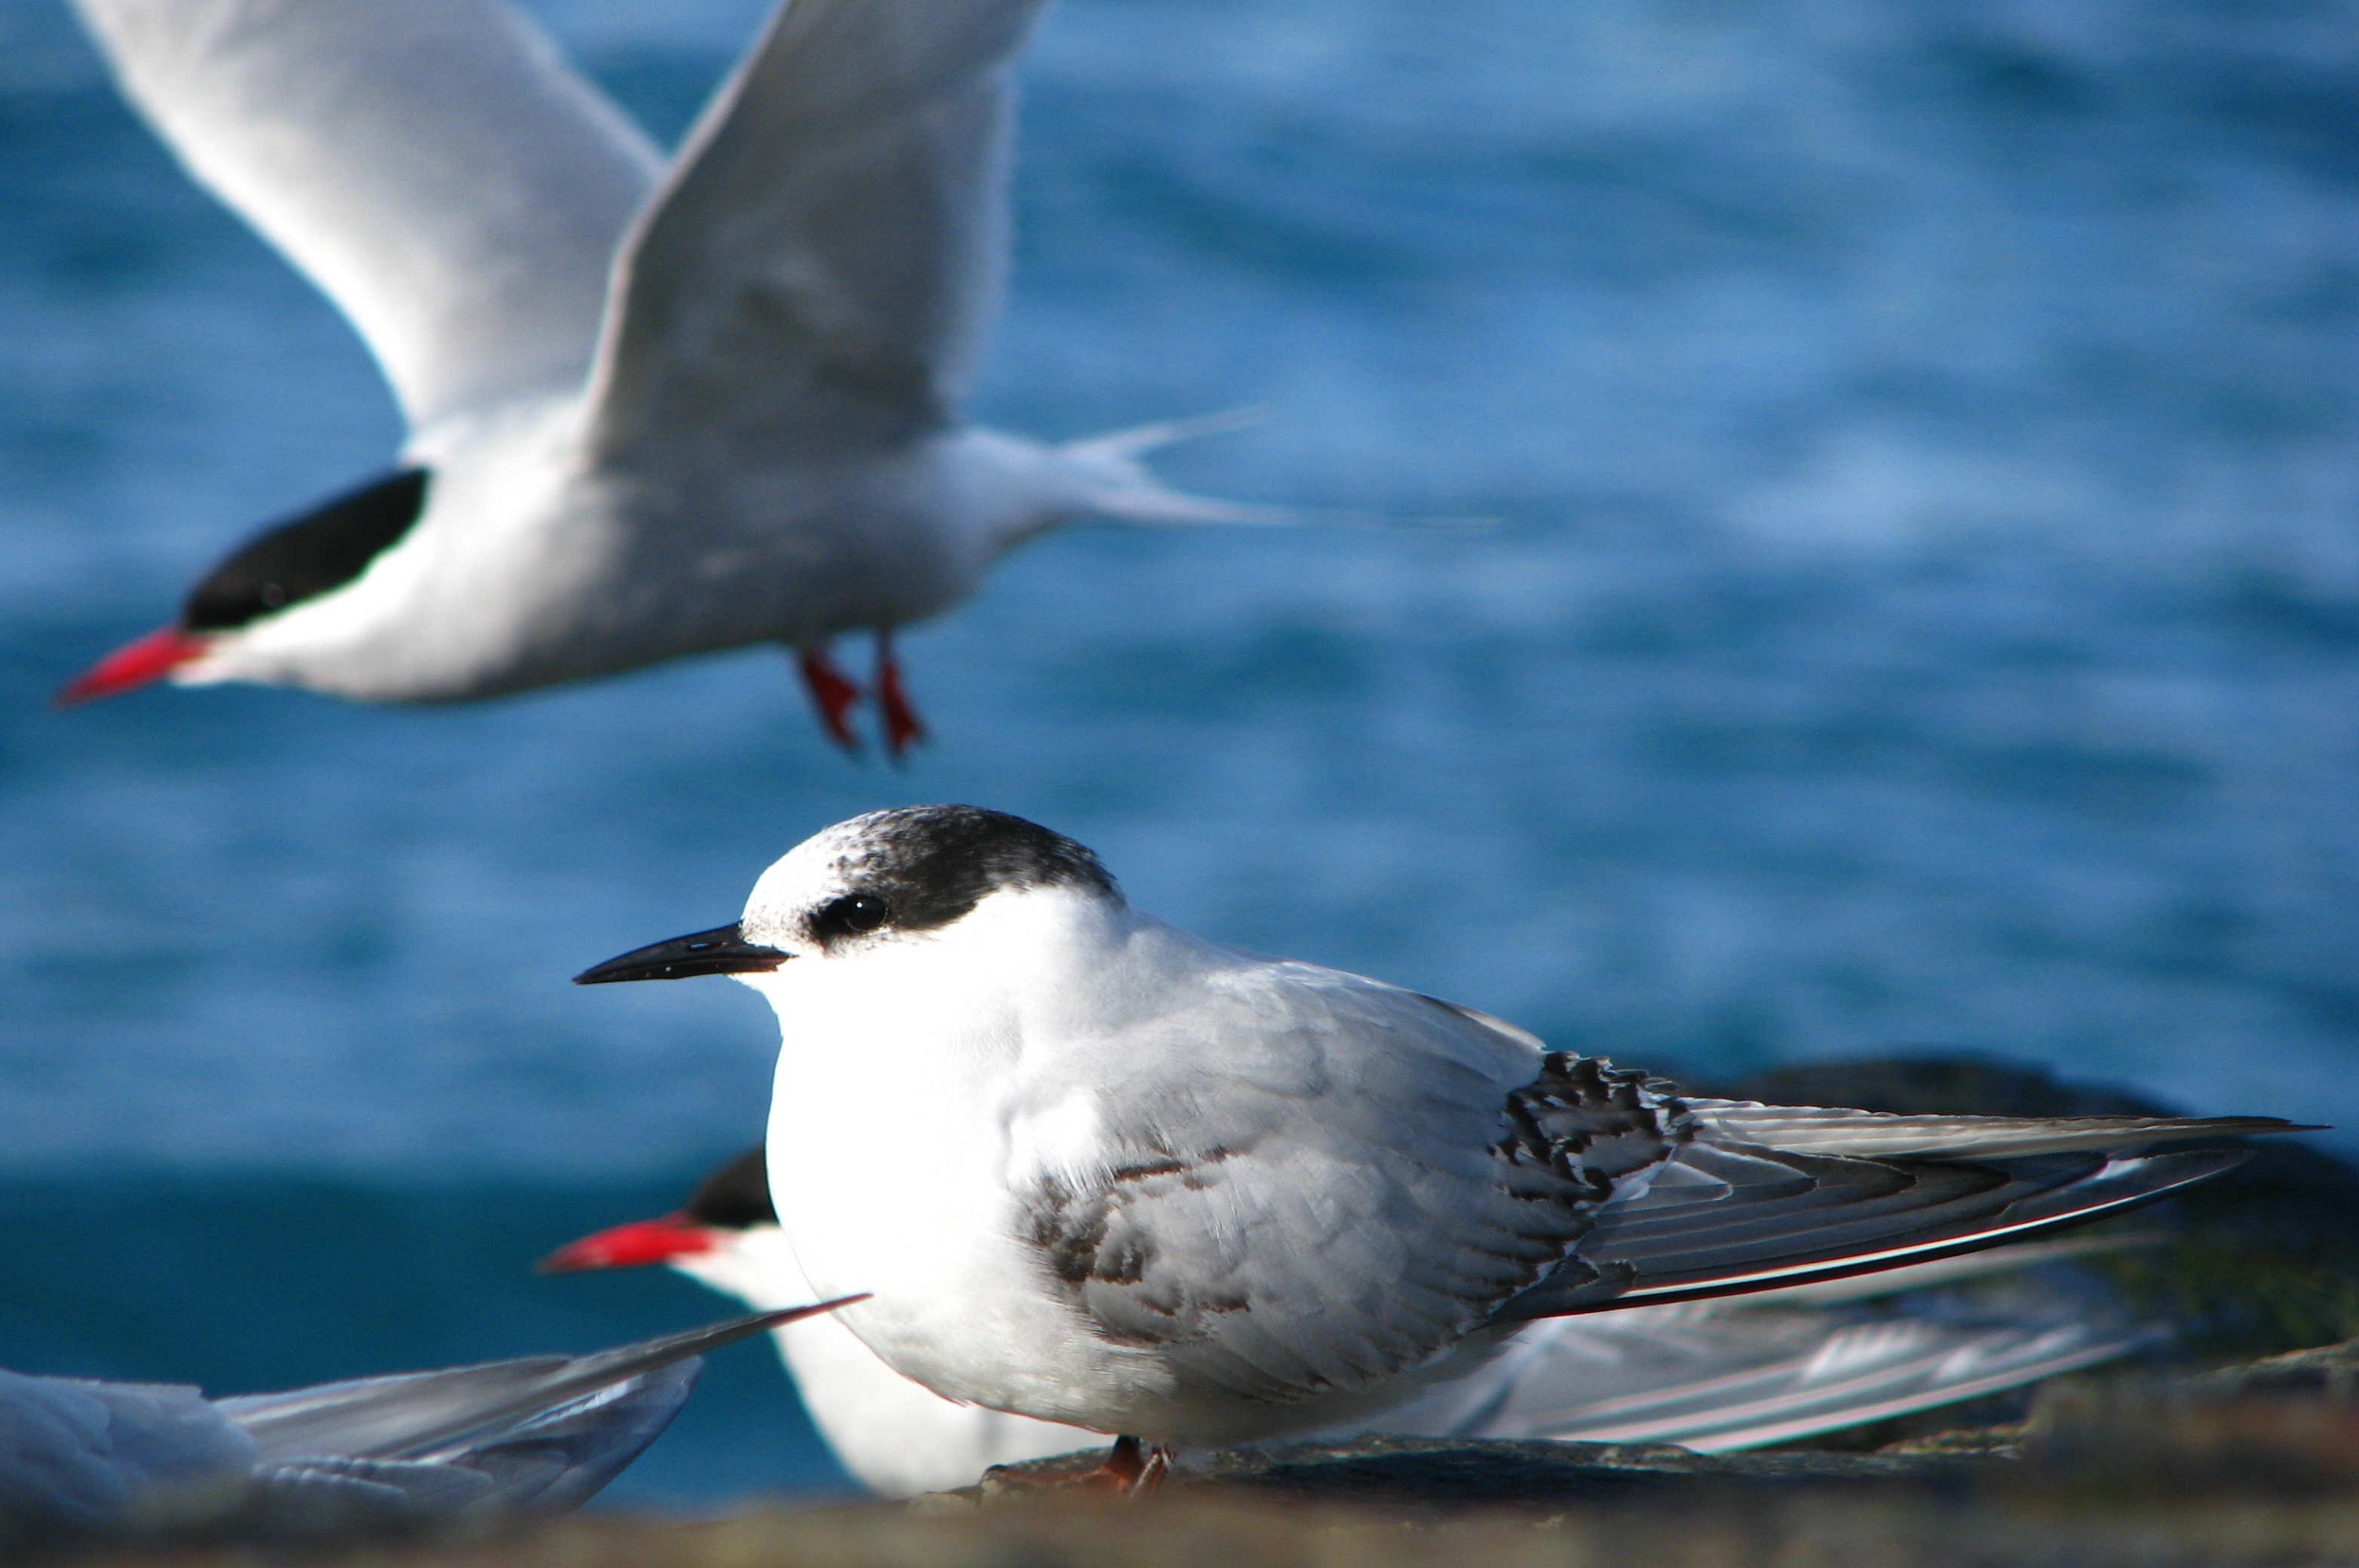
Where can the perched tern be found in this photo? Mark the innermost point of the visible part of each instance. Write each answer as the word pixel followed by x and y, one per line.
pixel 1095 1171
pixel 541 1432
pixel 1717 1374
pixel 654 409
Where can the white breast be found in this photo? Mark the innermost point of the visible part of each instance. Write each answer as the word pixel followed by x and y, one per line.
pixel 896 1437
pixel 912 1105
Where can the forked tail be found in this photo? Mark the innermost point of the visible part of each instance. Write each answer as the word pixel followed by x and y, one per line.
pixel 1114 482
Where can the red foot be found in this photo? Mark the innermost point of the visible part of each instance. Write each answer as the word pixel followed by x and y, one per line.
pixel 903 728
pixel 833 693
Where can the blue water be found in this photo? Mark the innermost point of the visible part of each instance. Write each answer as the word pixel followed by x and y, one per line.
pixel 1924 610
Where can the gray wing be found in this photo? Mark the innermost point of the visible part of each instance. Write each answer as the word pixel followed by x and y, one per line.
pixel 554 1460
pixel 1881 1135
pixel 822 266
pixel 1333 1182
pixel 545 1430
pixel 1855 1194
pixel 78 1453
pixel 1746 1379
pixel 434 166
pixel 1307 1196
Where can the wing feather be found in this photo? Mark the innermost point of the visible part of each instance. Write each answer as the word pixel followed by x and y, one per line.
pixel 1693 1246
pixel 1379 1178
pixel 823 264
pixel 434 166
pixel 1879 1135
pixel 1747 1379
pixel 436 1415
pixel 80 1451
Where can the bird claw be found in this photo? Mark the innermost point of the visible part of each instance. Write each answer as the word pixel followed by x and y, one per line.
pixel 1131 1470
pixel 833 693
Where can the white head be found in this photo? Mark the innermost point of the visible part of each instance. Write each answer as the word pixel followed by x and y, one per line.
pixel 869 885
pixel 289 565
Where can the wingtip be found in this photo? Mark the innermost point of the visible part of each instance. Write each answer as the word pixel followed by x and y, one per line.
pixel 796 1314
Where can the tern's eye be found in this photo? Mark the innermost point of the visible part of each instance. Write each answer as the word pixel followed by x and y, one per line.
pixel 849 916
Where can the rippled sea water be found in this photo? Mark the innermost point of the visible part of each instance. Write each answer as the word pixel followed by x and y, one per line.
pixel 1923 609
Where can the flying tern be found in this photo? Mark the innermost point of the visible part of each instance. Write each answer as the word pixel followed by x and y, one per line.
pixel 656 408
pixel 1094 1171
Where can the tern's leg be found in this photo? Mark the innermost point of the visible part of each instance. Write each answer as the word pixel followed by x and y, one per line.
pixel 902 727
pixel 832 692
pixel 1130 1469
pixel 1135 1469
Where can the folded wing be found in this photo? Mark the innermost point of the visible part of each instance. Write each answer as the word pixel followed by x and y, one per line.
pixel 1873 1134
pixel 1745 1379
pixel 434 166
pixel 1844 1193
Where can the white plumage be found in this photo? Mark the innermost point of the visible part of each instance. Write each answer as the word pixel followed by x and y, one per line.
pixel 1097 1172
pixel 1715 1375
pixel 654 409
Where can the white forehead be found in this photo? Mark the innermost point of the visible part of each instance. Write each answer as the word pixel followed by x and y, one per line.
pixel 930 865
pixel 819 866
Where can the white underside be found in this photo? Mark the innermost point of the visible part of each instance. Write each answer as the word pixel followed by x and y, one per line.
pixel 532 566
pixel 895 1436
pixel 1713 1376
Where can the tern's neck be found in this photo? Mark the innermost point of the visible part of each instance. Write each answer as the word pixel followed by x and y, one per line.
pixel 755 1266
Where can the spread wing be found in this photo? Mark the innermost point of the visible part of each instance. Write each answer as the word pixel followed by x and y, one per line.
pixel 434 166
pixel 826 257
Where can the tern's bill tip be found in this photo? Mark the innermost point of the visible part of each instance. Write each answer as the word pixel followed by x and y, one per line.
pixel 134 664
pixel 634 1246
pixel 721 951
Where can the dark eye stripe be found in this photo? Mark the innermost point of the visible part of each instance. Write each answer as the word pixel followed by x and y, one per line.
pixel 930 864
pixel 850 915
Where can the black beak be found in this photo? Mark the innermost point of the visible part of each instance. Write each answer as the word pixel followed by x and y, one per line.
pixel 721 951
